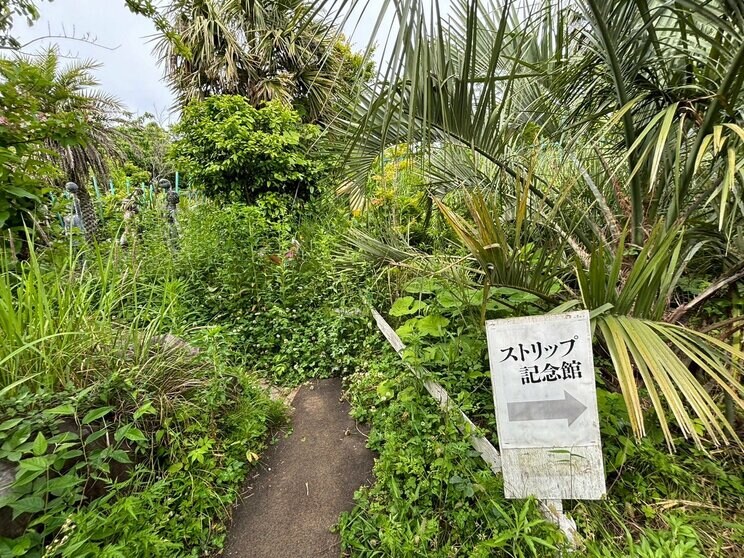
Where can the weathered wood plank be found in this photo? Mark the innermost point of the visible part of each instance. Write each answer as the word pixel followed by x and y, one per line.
pixel 388 332
pixel 552 510
pixel 487 451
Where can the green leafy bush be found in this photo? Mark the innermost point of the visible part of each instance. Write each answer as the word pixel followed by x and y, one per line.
pixel 266 274
pixel 119 469
pixel 433 495
pixel 27 90
pixel 118 438
pixel 233 151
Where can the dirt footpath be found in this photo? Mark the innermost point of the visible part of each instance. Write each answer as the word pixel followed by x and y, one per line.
pixel 304 482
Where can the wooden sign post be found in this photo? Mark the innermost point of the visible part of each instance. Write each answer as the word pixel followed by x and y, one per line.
pixel 542 373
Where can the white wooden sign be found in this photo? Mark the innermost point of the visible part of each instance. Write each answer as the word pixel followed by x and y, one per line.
pixel 542 372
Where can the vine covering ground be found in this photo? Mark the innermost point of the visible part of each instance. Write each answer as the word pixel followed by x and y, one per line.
pixel 510 159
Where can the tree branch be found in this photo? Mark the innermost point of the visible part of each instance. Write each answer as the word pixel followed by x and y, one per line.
pixel 735 274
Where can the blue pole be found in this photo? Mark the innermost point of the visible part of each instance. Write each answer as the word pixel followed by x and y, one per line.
pixel 111 186
pixel 176 181
pixel 95 187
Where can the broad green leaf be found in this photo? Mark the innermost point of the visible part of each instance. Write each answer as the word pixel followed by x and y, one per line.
pixel 408 330
pixel 33 464
pixel 120 455
pixel 20 192
pixel 40 444
pixel 432 325
pixel 96 414
pixel 129 432
pixel 447 299
pixel 422 285
pixel 406 305
pixel 12 423
pixel 29 504
pixel 60 485
pixel 145 409
pixel 65 409
pixel 385 390
pixel 135 435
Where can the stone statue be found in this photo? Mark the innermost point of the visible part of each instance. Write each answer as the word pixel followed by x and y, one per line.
pixel 75 218
pixel 130 207
pixel 172 200
pixel 83 212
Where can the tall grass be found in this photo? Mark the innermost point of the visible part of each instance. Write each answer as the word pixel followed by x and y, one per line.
pixel 65 310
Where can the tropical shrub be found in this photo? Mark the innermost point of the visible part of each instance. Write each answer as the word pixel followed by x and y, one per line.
pixel 266 274
pixel 232 151
pixel 56 128
pixel 116 435
pixel 263 51
pixel 27 90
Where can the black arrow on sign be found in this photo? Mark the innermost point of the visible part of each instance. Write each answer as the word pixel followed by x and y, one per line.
pixel 568 408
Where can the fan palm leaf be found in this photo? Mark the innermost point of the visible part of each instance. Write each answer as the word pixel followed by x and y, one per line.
pixel 74 92
pixel 262 50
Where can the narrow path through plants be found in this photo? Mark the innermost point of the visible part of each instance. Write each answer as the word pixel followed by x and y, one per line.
pixel 304 483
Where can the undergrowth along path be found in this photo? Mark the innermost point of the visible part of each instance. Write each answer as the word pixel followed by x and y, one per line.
pixel 304 482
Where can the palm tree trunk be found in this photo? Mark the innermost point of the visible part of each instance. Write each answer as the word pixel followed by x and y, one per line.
pixel 88 215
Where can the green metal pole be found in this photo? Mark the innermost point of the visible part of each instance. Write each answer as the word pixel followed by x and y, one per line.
pixel 176 182
pixel 95 187
pixel 111 186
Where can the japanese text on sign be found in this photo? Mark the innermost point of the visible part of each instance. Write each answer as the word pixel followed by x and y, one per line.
pixel 557 369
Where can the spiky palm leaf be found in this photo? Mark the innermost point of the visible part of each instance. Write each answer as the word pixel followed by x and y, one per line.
pixel 74 91
pixel 262 50
pixel 629 300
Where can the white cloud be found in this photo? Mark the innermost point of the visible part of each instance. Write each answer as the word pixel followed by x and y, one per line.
pixel 130 71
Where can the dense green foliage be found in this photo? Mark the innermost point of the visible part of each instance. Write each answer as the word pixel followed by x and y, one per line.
pixel 57 128
pixel 121 438
pixel 145 147
pixel 233 151
pixel 28 91
pixel 574 177
pixel 265 273
pixel 433 495
pixel 510 160
pixel 659 504
pixel 263 51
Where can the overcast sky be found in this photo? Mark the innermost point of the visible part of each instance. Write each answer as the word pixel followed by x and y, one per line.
pixel 123 46
pixel 129 71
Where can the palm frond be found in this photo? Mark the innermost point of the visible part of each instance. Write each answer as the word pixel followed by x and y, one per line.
pixel 655 350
